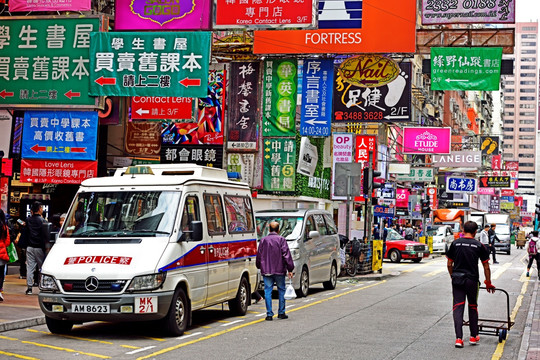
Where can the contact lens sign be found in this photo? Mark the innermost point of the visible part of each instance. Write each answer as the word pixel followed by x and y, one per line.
pixel 279 103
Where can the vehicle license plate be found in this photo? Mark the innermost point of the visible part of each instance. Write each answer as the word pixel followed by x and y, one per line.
pixel 90 308
pixel 420 254
pixel 146 305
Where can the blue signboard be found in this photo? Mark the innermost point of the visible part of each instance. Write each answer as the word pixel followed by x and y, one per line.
pixel 60 135
pixel 507 198
pixel 461 185
pixel 339 14
pixel 383 211
pixel 317 80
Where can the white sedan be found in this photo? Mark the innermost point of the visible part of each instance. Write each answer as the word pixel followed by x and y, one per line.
pixel 442 238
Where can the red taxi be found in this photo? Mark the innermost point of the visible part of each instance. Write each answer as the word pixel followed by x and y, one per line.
pixel 398 248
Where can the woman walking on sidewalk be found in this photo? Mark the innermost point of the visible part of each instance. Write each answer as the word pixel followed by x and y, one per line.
pixel 4 257
pixel 533 250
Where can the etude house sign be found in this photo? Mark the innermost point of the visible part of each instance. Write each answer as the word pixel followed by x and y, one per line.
pixel 425 140
pixel 458 159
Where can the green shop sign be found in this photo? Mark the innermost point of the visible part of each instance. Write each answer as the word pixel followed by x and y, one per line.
pixel 318 185
pixel 45 62
pixel 170 64
pixel 279 164
pixel 465 68
pixel 279 103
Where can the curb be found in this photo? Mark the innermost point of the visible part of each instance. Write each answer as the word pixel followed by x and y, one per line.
pixel 373 277
pixel 525 339
pixel 21 324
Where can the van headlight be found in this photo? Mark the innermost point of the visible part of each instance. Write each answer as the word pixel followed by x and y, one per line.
pixel 295 254
pixel 147 282
pixel 47 283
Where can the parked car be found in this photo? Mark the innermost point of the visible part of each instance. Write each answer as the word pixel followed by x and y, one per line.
pixel 398 248
pixel 502 243
pixel 442 238
pixel 314 243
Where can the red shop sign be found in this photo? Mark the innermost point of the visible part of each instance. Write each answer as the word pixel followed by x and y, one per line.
pixel 161 107
pixel 57 171
pixel 365 144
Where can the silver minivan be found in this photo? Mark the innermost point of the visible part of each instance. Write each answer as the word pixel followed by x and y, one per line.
pixel 314 243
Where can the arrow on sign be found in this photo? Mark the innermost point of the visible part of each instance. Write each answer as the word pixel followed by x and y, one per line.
pixel 36 148
pixel 453 80
pixel 4 94
pixel 190 82
pixel 105 81
pixel 78 149
pixel 390 117
pixel 70 94
pixel 313 122
pixel 141 111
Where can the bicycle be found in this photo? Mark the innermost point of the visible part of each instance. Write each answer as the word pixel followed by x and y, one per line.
pixel 352 254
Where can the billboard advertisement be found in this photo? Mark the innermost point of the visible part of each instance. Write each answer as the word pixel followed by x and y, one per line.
pixel 49 5
pixel 426 140
pixel 458 159
pixel 436 12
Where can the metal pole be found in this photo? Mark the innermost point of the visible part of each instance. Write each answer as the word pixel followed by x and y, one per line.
pixel 369 198
pixel 349 190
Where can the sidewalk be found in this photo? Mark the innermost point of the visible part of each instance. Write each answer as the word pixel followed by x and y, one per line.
pixel 18 310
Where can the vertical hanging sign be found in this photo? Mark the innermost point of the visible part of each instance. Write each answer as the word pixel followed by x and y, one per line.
pixel 317 97
pixel 243 124
pixel 279 105
pixel 279 164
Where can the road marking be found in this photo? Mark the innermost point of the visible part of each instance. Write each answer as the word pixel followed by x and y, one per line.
pixel 152 338
pixel 17 355
pixel 262 314
pixel 289 306
pixel 140 350
pixel 500 347
pixel 222 332
pixel 252 312
pixel 130 347
pixel 422 266
pixel 8 338
pixel 330 293
pixel 66 349
pixel 232 322
pixel 190 335
pixel 433 273
pixel 500 271
pixel 223 321
pixel 70 337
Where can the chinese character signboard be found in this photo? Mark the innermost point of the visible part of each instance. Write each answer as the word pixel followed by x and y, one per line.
pixel 270 14
pixel 496 162
pixel 364 145
pixel 495 181
pixel 359 101
pixel 242 164
pixel 318 75
pixel 422 140
pixel 279 103
pixel 243 122
pixel 45 62
pixel 386 27
pixel 471 68
pixel 162 15
pixel 342 153
pixel 57 172
pixel 205 155
pixel 436 12
pixel 210 116
pixel 383 211
pixel 432 195
pixel 511 165
pixel 142 138
pixel 494 205
pixel 489 145
pixel 149 64
pixel 49 5
pixel 347 15
pixel 467 159
pixel 60 135
pixel 159 107
pixel 417 175
pixel 461 185
pixel 279 164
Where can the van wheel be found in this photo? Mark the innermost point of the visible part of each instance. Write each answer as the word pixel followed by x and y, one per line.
pixel 177 319
pixel 238 305
pixel 331 284
pixel 58 326
pixel 304 283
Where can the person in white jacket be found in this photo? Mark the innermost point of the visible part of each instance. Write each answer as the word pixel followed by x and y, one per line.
pixel 484 236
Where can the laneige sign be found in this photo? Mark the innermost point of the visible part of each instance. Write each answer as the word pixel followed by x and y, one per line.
pixel 458 159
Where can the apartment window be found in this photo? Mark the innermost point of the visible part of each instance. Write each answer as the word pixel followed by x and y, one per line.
pixel 528 36
pixel 525 51
pixel 510 113
pixel 527 122
pixel 529 28
pixel 508 121
pixel 526 106
pixel 526 164
pixel 509 98
pixel 527 98
pixel 527 83
pixel 508 155
pixel 528 43
pixel 508 129
pixel 509 83
pixel 526 137
pixel 527 113
pixel 528 59
pixel 527 75
pixel 508 137
pixel 509 90
pixel 526 146
pixel 507 146
pixel 527 156
pixel 509 106
pixel 529 91
pixel 526 129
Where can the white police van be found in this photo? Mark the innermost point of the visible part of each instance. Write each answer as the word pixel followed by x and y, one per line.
pixel 151 243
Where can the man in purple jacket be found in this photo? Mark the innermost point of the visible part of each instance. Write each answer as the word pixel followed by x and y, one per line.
pixel 274 260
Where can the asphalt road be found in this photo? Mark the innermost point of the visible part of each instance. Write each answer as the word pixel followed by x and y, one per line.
pixel 404 317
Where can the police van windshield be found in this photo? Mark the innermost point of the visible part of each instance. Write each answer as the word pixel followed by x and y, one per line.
pixel 289 227
pixel 122 214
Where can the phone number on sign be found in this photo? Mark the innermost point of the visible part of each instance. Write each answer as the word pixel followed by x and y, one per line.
pixel 358 115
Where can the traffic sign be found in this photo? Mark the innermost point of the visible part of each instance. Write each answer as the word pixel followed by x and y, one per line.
pixel 160 107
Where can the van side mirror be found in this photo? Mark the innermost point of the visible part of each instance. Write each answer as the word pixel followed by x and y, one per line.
pixel 194 234
pixel 313 234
